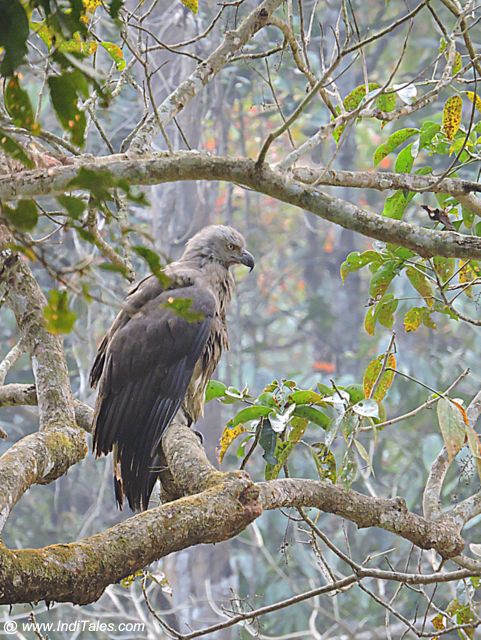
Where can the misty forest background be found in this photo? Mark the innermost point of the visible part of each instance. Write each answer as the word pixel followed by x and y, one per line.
pixel 292 318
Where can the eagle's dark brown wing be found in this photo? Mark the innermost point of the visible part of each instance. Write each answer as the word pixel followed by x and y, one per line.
pixel 145 367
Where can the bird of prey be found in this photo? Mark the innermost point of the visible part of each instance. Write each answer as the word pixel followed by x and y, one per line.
pixel 159 355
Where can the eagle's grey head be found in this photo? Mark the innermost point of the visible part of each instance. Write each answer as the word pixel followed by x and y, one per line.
pixel 219 243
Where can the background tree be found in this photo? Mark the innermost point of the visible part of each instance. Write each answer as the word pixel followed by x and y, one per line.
pixel 125 127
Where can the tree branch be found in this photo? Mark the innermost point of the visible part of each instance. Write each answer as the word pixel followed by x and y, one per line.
pixel 162 168
pixel 79 572
pixel 366 511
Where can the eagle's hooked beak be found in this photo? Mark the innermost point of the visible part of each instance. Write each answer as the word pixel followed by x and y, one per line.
pixel 247 259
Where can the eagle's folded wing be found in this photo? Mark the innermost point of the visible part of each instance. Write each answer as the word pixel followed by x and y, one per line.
pixel 144 368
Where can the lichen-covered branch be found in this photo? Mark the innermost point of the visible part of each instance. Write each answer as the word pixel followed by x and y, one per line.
pixel 218 506
pixel 18 395
pixel 384 181
pixel 366 511
pixel 38 458
pixel 79 572
pixel 27 302
pixel 264 179
pixel 60 443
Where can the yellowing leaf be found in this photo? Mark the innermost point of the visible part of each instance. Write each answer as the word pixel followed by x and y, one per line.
pixel 18 105
pixel 452 112
pixel 371 375
pixel 284 449
pixel 462 411
pixel 458 62
pixel 475 447
pixel 129 580
pixel 193 5
pixel 439 622
pixel 91 5
pixel 452 425
pixel 412 319
pixel 421 284
pixel 474 98
pixel 228 436
pixel 444 267
pixel 466 274
pixel 417 315
pixel 116 53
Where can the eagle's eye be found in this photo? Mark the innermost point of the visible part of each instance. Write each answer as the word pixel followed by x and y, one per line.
pixel 232 247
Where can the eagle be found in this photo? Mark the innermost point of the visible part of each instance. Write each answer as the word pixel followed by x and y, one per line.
pixel 159 354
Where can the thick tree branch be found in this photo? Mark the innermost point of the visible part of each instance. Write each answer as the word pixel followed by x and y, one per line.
pixel 79 572
pixel 27 302
pixel 46 455
pixel 263 179
pixel 389 514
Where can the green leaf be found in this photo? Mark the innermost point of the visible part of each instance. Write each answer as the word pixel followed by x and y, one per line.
pixel 395 205
pixel 305 397
pixel 394 140
pixel 15 150
pixel 115 6
pixel 64 93
pixel 405 160
pixel 98 182
pixel 267 399
pixel 361 449
pixel 116 53
pixel 356 260
pixel 113 268
pixel 382 312
pixel 284 449
pixel 58 317
pixel 18 105
pixel 313 415
pixel 386 102
pixel 182 307
pixel 268 441
pixel 385 310
pixel 13 35
pixel 468 216
pixel 355 392
pixel 428 130
pixel 382 278
pixel 250 413
pixel 153 261
pixel 74 206
pixel 452 425
pixel 25 215
pixel 214 389
pixel 355 97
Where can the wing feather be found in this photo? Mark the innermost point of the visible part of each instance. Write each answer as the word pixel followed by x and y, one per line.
pixel 143 368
